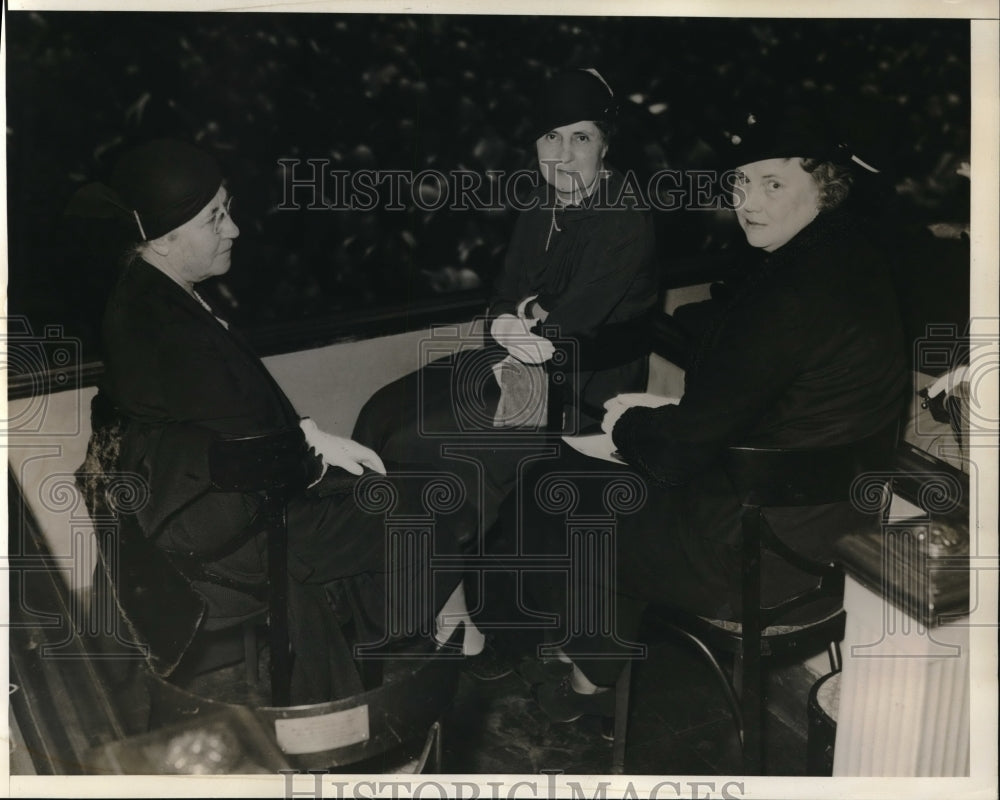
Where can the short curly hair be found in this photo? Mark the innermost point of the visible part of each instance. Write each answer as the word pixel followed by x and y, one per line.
pixel 834 181
pixel 607 127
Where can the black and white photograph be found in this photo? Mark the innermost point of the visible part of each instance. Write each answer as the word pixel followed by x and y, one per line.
pixel 528 400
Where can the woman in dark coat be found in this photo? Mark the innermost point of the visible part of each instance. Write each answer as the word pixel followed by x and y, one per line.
pixel 806 350
pixel 577 283
pixel 182 378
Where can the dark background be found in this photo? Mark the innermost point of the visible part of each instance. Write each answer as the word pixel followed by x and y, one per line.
pixel 448 92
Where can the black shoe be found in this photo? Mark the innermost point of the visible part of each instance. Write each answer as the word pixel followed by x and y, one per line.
pixel 536 670
pixel 561 703
pixel 489 665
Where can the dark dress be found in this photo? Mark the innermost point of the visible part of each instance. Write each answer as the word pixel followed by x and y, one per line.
pixel 807 351
pixel 592 268
pixel 182 379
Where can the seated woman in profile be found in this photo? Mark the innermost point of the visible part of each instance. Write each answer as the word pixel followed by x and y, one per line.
pixel 182 378
pixel 579 269
pixel 805 351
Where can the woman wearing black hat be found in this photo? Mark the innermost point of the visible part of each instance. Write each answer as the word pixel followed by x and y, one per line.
pixel 580 262
pixel 806 350
pixel 581 258
pixel 180 378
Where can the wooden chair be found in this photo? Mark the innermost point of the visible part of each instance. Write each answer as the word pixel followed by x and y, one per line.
pixel 191 632
pixel 771 478
pixel 273 466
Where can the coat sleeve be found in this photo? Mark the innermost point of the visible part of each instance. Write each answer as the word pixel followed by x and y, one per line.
pixel 620 252
pixel 755 357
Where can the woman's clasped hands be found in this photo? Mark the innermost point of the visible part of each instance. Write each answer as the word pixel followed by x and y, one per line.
pixel 515 336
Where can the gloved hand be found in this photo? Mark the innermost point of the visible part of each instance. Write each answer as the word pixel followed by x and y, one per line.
pixel 515 336
pixel 337 451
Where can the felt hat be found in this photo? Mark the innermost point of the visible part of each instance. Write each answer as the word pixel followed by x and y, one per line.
pixel 795 132
pixel 572 96
pixel 158 186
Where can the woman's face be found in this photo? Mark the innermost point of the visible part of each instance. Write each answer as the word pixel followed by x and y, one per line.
pixel 570 158
pixel 774 200
pixel 200 248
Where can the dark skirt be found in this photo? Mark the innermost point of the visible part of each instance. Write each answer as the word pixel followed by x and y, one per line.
pixel 442 414
pixel 386 545
pixel 615 542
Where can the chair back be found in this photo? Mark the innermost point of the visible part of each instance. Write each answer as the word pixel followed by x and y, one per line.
pixel 130 569
pixel 772 477
pixel 776 477
pixel 264 462
pixel 275 465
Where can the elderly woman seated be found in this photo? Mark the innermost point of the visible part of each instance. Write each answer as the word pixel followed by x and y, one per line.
pixel 577 283
pixel 181 377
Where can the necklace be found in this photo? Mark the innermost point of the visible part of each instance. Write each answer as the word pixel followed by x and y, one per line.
pixel 553 226
pixel 208 308
pixel 584 194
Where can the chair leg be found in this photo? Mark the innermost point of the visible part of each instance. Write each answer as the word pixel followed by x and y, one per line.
pixel 836 664
pixel 250 652
pixel 623 688
pixel 437 747
pixel 277 553
pixel 732 695
pixel 749 667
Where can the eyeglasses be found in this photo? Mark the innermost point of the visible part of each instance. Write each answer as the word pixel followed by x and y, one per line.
pixel 221 215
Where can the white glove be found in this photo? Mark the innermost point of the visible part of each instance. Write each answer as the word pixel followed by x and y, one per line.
pixel 337 451
pixel 621 403
pixel 515 336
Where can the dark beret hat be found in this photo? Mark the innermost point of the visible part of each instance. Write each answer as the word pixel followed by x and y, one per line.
pixel 572 96
pixel 165 183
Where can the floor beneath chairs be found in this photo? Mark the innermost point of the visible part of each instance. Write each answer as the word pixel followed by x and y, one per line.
pixel 680 722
